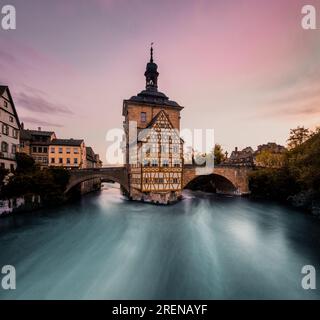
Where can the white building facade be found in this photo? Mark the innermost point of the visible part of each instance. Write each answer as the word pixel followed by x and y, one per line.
pixel 9 130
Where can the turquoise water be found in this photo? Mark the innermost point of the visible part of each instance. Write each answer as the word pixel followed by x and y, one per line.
pixel 205 247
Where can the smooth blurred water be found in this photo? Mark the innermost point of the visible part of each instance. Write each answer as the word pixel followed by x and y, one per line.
pixel 205 247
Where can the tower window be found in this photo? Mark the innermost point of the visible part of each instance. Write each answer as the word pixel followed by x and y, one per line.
pixel 143 117
pixel 165 163
pixel 177 163
pixel 175 149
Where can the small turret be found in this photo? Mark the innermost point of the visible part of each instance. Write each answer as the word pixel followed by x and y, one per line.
pixel 151 73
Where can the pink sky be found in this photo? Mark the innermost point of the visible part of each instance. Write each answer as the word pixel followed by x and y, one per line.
pixel 243 67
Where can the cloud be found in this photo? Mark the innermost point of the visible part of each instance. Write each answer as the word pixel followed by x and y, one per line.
pixel 308 109
pixel 295 95
pixel 38 104
pixel 40 122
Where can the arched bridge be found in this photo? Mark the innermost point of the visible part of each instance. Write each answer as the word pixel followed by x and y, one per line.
pixel 115 174
pixel 228 178
pixel 235 176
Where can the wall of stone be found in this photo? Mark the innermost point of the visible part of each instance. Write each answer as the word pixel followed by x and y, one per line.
pixel 156 198
pixel 90 185
pixel 134 112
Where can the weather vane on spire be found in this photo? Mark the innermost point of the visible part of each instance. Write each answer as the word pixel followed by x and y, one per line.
pixel 151 52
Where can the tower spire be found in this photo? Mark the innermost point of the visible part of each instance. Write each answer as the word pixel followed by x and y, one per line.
pixel 151 73
pixel 151 52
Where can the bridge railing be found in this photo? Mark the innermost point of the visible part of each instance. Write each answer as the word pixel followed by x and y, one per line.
pixel 222 165
pixel 99 169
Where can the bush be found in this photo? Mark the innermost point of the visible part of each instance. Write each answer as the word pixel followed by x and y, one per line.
pixel 48 183
pixel 25 163
pixel 276 184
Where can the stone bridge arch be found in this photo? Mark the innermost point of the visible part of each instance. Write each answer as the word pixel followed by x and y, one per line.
pixel 115 174
pixel 238 176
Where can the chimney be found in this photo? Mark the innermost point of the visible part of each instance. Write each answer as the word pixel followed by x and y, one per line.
pixel 39 128
pixel 22 125
pixel 236 149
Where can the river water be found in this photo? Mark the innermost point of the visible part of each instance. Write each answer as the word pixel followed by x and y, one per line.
pixel 204 247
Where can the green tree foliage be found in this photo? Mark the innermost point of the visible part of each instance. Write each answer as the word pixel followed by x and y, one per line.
pixel 270 159
pixel 304 162
pixel 297 137
pixel 29 180
pixel 25 163
pixel 218 154
pixel 270 183
pixel 299 173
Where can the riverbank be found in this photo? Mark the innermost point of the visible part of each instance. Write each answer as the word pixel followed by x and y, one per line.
pixel 31 188
pixel 32 203
pixel 297 180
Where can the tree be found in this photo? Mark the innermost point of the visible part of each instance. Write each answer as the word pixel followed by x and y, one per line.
pixel 297 137
pixel 218 154
pixel 298 178
pixel 270 159
pixel 49 184
pixel 271 183
pixel 315 131
pixel 3 174
pixel 25 163
pixel 304 160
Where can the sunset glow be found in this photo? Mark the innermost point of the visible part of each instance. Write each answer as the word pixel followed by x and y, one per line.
pixel 245 68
